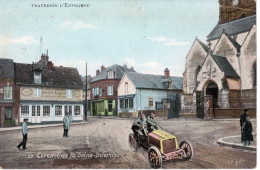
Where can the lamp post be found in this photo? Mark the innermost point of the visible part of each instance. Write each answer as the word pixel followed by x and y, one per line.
pixel 86 96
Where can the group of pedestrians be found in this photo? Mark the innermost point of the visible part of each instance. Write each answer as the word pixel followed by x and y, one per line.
pixel 66 126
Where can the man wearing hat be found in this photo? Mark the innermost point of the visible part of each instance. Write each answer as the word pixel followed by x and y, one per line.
pixel 24 132
pixel 152 123
pixel 66 125
pixel 242 120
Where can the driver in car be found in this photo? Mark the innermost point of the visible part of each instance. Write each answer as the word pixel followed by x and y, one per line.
pixel 140 126
pixel 152 123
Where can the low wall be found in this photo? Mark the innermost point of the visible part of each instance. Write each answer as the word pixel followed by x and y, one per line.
pixel 233 113
pixel 158 113
pixel 127 114
pixel 187 104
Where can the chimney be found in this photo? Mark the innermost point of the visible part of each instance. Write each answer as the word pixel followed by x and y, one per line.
pixel 166 73
pixel 125 66
pixel 102 67
pixel 132 68
pixel 50 65
pixel 97 72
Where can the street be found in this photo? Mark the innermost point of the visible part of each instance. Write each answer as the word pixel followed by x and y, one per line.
pixel 107 139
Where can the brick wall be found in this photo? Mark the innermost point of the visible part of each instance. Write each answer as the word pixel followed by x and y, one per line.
pixel 233 113
pixel 105 83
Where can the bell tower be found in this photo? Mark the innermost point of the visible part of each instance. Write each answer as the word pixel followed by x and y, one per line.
pixel 230 10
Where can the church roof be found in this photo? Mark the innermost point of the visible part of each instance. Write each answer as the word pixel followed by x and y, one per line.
pixel 237 46
pixel 233 27
pixel 225 66
pixel 203 46
pixel 149 81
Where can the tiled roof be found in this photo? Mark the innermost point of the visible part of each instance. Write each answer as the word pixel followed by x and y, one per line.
pixel 6 68
pixel 119 72
pixel 148 81
pixel 225 66
pixel 233 27
pixel 66 77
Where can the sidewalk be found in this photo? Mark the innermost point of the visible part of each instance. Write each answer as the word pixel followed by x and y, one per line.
pixel 39 126
pixel 235 142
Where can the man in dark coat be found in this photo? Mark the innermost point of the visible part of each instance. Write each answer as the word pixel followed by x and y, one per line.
pixel 140 126
pixel 247 132
pixel 152 123
pixel 24 132
pixel 242 120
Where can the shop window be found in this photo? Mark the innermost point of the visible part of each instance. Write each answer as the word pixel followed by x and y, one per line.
pixel 25 110
pixel 46 110
pixel 58 110
pixel 76 110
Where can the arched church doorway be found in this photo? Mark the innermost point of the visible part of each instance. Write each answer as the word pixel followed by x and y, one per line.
pixel 212 90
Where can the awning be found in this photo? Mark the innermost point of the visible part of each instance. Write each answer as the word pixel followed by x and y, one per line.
pixel 126 96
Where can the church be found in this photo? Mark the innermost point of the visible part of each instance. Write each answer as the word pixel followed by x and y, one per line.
pixel 220 77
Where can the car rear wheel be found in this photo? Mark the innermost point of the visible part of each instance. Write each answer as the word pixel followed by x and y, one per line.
pixel 187 148
pixel 132 142
pixel 154 157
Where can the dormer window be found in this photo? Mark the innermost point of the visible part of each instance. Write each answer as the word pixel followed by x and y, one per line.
pixel 111 74
pixel 37 77
pixel 170 84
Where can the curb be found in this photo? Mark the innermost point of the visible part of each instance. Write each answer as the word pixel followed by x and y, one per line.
pixel 234 145
pixel 38 126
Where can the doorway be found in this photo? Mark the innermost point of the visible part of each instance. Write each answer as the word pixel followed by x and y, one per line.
pixel 8 116
pixel 212 90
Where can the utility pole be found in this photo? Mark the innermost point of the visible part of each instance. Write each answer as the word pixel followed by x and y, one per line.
pixel 86 96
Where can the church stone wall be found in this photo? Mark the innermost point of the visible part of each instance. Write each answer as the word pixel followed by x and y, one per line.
pixel 247 60
pixel 188 105
pixel 194 59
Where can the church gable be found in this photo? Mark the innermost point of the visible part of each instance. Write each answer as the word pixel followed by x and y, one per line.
pixel 226 46
pixel 209 71
pixel 194 60
pixel 249 45
pixel 229 48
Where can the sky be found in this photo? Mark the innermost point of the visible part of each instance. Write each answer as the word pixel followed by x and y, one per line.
pixel 149 35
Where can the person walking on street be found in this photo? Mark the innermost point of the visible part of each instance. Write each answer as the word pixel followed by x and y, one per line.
pixel 247 132
pixel 24 132
pixel 242 120
pixel 66 125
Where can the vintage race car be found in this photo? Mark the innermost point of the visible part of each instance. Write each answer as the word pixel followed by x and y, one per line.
pixel 161 146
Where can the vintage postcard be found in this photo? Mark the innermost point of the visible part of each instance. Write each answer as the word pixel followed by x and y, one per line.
pixel 129 84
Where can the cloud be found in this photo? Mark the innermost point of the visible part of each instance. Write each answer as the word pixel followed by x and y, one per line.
pixel 21 40
pixel 76 25
pixel 167 41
